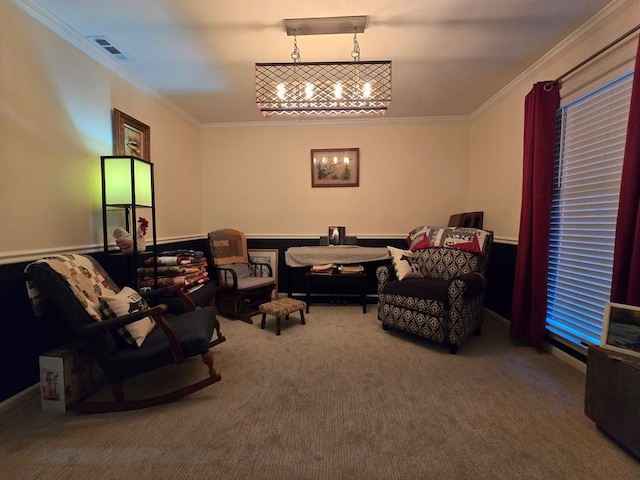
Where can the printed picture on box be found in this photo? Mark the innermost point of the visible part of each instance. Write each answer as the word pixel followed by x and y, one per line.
pixel 50 385
pixel 624 328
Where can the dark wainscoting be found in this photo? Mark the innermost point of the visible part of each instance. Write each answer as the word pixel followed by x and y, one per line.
pixel 24 337
pixel 500 274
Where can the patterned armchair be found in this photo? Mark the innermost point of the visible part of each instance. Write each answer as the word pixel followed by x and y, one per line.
pixel 435 289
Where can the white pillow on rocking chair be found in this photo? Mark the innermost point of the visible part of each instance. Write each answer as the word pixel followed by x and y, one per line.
pixel 128 301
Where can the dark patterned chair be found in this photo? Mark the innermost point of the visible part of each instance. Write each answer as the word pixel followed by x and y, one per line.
pixel 121 331
pixel 435 289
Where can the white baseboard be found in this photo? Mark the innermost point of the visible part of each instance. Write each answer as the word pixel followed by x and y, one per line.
pixel 20 397
pixel 565 357
pixel 556 352
pixel 498 318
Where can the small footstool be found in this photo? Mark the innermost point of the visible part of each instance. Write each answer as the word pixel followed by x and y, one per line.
pixel 280 307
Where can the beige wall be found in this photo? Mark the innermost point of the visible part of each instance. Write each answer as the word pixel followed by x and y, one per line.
pixel 411 174
pixel 496 138
pixel 55 122
pixel 259 178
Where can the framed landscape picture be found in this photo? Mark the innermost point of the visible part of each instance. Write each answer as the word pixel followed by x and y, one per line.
pixel 131 136
pixel 335 167
pixel 270 257
pixel 621 328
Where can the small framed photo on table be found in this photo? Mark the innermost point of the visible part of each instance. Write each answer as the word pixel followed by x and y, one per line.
pixel 621 328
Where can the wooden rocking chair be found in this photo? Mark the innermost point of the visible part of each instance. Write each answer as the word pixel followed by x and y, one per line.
pixel 77 286
pixel 242 284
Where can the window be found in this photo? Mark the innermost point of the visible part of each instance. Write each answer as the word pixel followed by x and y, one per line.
pixel 589 153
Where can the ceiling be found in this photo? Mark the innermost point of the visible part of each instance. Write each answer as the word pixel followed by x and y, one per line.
pixel 449 57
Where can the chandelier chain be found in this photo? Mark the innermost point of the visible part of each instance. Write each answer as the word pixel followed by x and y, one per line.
pixel 295 55
pixel 356 48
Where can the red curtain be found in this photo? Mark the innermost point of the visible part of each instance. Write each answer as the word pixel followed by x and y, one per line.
pixel 529 308
pixel 625 284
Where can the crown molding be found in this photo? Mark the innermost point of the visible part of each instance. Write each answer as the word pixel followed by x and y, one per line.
pixel 596 23
pixel 359 122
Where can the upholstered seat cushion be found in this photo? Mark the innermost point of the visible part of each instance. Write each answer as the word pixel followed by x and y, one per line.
pixel 437 289
pixel 282 306
pixel 250 283
pixel 245 280
pixel 194 329
pixel 416 287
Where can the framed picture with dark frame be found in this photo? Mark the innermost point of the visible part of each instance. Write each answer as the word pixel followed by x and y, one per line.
pixel 335 167
pixel 621 328
pixel 131 137
pixel 270 257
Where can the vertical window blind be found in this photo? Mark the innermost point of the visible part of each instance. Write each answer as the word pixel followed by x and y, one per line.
pixel 590 143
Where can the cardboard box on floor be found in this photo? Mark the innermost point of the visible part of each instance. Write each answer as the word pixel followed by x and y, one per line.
pixel 67 374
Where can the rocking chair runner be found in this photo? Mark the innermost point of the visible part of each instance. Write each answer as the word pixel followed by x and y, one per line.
pixel 242 284
pixel 76 286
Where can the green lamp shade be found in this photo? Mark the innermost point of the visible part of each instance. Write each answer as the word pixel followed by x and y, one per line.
pixel 125 175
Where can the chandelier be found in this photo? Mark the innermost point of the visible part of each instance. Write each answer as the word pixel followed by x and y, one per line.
pixel 324 88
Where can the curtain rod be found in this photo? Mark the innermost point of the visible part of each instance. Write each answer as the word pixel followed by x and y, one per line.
pixel 549 85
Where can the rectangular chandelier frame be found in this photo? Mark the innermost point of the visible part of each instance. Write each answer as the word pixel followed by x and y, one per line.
pixel 333 88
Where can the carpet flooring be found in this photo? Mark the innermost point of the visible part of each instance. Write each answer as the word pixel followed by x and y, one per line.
pixel 337 398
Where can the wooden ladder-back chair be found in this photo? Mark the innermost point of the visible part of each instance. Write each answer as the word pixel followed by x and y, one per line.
pixel 123 344
pixel 242 284
pixel 467 220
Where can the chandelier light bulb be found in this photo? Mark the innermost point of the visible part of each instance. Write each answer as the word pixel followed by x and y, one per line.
pixel 366 90
pixel 281 91
pixel 309 91
pixel 338 91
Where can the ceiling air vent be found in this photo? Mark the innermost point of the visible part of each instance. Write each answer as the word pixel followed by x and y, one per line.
pixel 106 45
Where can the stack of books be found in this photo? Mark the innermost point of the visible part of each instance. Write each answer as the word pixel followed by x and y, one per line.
pixel 350 269
pixel 326 269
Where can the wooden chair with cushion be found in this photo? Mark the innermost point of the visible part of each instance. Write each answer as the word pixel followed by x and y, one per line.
pixel 242 284
pixel 124 335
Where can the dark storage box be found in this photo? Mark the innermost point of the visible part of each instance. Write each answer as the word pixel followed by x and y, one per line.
pixel 612 398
